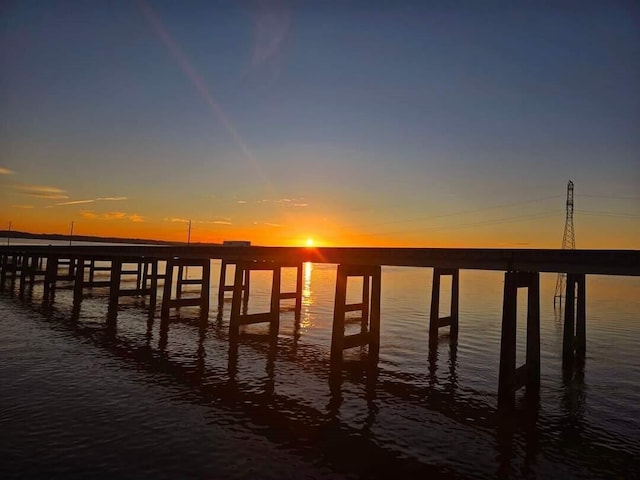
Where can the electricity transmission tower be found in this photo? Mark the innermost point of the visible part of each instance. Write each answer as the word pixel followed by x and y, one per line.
pixel 568 243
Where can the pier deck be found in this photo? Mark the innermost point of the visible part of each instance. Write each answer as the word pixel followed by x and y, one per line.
pixel 521 266
pixel 597 262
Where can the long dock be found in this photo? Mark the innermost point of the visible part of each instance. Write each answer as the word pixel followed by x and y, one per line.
pixel 522 267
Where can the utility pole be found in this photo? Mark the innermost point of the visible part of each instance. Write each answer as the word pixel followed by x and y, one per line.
pixel 568 243
pixel 9 234
pixel 71 233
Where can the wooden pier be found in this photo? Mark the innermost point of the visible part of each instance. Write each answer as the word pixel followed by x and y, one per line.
pixel 78 265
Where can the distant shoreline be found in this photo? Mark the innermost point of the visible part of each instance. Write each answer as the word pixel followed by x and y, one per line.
pixel 89 238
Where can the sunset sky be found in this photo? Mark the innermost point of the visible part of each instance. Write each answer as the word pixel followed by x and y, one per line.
pixel 349 123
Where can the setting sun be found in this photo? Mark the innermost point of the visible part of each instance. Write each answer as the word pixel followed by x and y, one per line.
pixel 309 242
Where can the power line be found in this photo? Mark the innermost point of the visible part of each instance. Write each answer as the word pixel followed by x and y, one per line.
pixel 465 212
pixel 607 214
pixel 496 221
pixel 610 197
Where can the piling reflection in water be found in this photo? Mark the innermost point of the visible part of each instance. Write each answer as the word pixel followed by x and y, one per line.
pixel 360 419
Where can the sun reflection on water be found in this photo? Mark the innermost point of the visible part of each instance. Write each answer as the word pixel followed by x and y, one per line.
pixel 307 300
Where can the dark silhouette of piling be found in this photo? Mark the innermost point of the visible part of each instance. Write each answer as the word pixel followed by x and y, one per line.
pixel 574 340
pixel 272 317
pixel 70 264
pixel 369 307
pixel 435 321
pixel 223 287
pixel 203 281
pixel 527 375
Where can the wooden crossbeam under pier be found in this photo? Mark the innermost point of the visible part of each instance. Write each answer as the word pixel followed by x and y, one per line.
pixel 435 321
pixel 522 269
pixel 369 306
pixel 223 287
pixel 241 294
pixel 168 302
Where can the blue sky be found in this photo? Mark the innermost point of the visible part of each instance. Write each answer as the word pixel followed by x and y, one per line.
pixel 369 116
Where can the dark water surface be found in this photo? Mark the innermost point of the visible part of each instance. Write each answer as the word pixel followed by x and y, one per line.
pixel 81 396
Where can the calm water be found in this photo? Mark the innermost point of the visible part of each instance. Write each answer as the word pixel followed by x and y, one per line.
pixel 80 397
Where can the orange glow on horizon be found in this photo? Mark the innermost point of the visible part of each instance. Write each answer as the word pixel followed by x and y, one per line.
pixel 302 230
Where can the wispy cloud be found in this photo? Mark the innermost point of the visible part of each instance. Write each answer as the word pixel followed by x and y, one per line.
pixel 272 22
pixel 268 224
pixel 219 221
pixel 75 202
pixel 242 201
pixel 92 200
pixel 285 202
pixel 6 171
pixel 22 206
pixel 133 217
pixel 42 191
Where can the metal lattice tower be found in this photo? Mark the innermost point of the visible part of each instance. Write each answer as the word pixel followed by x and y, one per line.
pixel 568 243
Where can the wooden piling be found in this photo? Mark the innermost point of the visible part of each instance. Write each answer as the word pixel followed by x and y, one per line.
pixel 369 307
pixel 114 290
pixel 374 314
pixel 222 283
pixel 533 333
pixel 146 263
pixel 92 270
pixel 166 291
pixel 507 380
pixel 205 292
pixel 297 293
pixel 51 276
pixel 236 301
pixel 179 281
pixel 78 282
pixel 581 318
pixel 568 336
pixel 240 296
pixel 337 333
pixel 35 268
pixel 223 287
pixel 574 337
pixel 11 266
pixel 203 301
pixel 139 275
pixel 274 324
pixel 435 321
pixel 24 272
pixel 153 296
pixel 3 268
pixel 527 375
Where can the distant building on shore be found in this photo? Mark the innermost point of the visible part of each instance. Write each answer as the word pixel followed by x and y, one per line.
pixel 236 243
